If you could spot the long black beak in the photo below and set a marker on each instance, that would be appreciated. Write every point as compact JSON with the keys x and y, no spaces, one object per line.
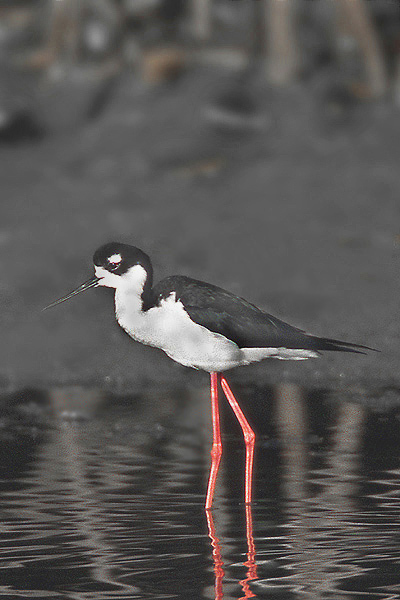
{"x":94,"y":282}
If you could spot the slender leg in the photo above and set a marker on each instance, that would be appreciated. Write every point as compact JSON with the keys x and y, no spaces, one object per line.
{"x":216,"y":449}
{"x":249,"y":439}
{"x":251,"y":553}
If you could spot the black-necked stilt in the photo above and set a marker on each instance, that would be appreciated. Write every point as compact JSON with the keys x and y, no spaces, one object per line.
{"x":201,"y":326}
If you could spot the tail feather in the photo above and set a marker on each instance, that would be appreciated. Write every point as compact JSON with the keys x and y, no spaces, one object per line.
{"x":332,"y":345}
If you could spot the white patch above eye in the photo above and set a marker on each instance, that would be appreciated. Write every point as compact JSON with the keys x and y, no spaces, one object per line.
{"x":114,"y":259}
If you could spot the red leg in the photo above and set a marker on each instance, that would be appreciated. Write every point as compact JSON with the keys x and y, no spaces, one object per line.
{"x":249,"y":439}
{"x":216,"y":449}
{"x":251,"y":550}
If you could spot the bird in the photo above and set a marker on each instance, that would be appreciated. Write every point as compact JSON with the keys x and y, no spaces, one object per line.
{"x":201,"y":326}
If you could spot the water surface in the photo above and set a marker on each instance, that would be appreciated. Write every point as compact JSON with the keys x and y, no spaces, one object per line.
{"x":103,"y":498}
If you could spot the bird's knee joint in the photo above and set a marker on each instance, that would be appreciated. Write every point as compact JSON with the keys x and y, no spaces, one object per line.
{"x":250,"y":437}
{"x":216,"y":450}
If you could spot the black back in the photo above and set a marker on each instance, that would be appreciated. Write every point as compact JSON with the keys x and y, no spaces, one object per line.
{"x":239,"y":320}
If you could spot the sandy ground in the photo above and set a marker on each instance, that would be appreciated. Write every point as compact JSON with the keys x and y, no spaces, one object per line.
{"x":300,"y":218}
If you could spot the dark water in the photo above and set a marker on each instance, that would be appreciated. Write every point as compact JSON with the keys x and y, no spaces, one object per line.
{"x":107,"y":502}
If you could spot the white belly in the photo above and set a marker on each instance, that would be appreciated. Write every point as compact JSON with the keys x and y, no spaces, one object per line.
{"x":170,"y":328}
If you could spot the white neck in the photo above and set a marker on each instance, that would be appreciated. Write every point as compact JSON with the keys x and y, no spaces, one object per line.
{"x":128,"y":292}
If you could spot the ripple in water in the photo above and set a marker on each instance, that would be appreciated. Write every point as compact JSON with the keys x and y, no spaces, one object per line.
{"x":108,"y":504}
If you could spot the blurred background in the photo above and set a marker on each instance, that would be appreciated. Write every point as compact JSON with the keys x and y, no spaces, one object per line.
{"x":250,"y":143}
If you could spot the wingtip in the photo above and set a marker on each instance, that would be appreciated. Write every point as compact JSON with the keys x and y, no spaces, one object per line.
{"x":341,"y":346}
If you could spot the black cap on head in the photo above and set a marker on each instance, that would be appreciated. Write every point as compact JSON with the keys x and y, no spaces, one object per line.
{"x":118,"y":258}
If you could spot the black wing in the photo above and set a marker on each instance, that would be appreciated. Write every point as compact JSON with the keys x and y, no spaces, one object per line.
{"x":238,"y":320}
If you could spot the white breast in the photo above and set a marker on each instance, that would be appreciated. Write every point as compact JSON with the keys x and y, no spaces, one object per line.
{"x":169,"y":327}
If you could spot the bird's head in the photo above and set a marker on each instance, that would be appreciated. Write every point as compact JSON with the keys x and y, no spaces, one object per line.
{"x":117,"y":266}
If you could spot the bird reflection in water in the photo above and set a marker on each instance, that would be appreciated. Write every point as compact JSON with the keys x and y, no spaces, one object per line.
{"x":250,"y":563}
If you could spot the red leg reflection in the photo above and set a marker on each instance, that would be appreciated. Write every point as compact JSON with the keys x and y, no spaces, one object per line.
{"x":218,"y":564}
{"x":216,"y":450}
{"x":249,"y":439}
{"x":217,"y":558}
{"x":251,"y":556}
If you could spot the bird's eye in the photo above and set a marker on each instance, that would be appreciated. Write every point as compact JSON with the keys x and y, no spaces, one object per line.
{"x":114,"y":261}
